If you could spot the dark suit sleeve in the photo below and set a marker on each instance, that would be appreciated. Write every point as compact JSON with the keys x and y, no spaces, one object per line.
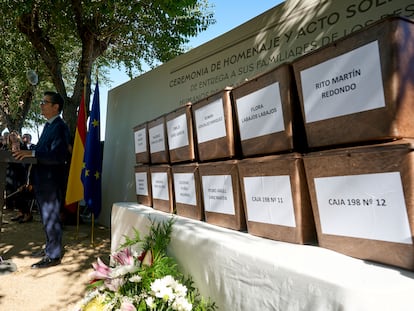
{"x":52,"y":149}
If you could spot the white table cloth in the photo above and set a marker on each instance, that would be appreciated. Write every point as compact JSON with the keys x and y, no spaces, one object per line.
{"x":243,"y":272}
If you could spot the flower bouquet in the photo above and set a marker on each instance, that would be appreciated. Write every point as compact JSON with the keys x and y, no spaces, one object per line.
{"x":149,"y":280}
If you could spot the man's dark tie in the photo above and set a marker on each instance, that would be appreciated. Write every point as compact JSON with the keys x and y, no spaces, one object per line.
{"x":45,"y":127}
{"x":44,"y":131}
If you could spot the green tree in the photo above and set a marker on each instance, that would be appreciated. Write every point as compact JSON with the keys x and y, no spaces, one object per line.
{"x":17,"y":91}
{"x":81,"y":35}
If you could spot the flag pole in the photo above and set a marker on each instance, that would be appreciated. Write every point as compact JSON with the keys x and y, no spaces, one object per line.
{"x":77,"y":221}
{"x":92,"y":230}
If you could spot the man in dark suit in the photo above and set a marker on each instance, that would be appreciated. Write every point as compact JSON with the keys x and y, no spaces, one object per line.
{"x":49,"y":176}
{"x":27,"y":140}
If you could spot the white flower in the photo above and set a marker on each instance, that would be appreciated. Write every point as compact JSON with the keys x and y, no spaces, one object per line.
{"x":122,"y":270}
{"x":161,"y":288}
{"x":121,"y":288}
{"x":169,"y":281}
{"x":181,"y":304}
{"x":135,"y":278}
{"x":168,"y":289}
{"x":150,"y":302}
{"x":180,"y":290}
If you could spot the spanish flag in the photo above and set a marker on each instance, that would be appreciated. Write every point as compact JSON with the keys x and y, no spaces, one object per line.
{"x":74,"y":190}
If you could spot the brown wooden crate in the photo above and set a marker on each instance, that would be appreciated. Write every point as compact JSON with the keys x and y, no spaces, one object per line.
{"x":234,"y":221}
{"x":165,"y":205}
{"x":282,"y":165}
{"x":395,"y":38}
{"x":293,"y":136}
{"x":188,"y":152}
{"x":158,"y":157}
{"x":225,"y":147}
{"x":141,"y":198}
{"x":397,"y":156}
{"x":144,"y":156}
{"x":188,"y":210}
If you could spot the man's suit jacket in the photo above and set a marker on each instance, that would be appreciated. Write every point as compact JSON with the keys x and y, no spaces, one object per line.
{"x":52,"y":155}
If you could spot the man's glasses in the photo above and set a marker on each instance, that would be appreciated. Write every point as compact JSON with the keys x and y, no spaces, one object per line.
{"x":42,"y":102}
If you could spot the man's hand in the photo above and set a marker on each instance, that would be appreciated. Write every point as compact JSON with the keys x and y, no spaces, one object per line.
{"x":21,"y":154}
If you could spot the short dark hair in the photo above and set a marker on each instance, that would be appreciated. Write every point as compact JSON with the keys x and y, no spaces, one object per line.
{"x":56,"y":98}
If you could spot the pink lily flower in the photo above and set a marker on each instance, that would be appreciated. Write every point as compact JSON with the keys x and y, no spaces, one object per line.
{"x":124,"y":257}
{"x":102,"y":271}
{"x":127,"y":306}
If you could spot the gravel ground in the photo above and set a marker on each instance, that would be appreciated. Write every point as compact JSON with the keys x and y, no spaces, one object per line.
{"x":55,"y":288}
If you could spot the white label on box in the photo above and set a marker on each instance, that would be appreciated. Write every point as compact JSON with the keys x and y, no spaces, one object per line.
{"x":156,"y":138}
{"x":141,"y":183}
{"x":218,"y":194}
{"x":159,"y":182}
{"x":177,"y":132}
{"x":269,"y":200}
{"x":140,"y":139}
{"x":184,"y":188}
{"x":210,"y":121}
{"x":260,"y":113}
{"x":368,"y":206}
{"x":343,"y":85}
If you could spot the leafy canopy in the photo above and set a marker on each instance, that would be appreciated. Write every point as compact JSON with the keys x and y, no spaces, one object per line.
{"x":72,"y":38}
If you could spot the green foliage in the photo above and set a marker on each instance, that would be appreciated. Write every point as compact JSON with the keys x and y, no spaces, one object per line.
{"x":72,"y":38}
{"x":159,"y":237}
{"x":17,"y":57}
{"x":156,"y":241}
{"x":158,"y":279}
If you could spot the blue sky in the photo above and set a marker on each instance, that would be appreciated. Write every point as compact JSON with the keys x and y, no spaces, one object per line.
{"x":228,"y":14}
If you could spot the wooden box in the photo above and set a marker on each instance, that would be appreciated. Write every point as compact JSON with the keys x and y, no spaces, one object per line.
{"x":158,"y":142}
{"x":162,"y":188}
{"x":215,"y":130}
{"x":181,"y":140}
{"x":363,"y":201}
{"x":361,"y":87}
{"x":268,"y":114}
{"x":223,"y":204}
{"x":187,"y":191}
{"x":276,"y":198}
{"x":143,"y":188}
{"x":142,"y":154}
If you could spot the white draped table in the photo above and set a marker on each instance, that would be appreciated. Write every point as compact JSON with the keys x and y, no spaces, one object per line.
{"x":243,"y":272}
